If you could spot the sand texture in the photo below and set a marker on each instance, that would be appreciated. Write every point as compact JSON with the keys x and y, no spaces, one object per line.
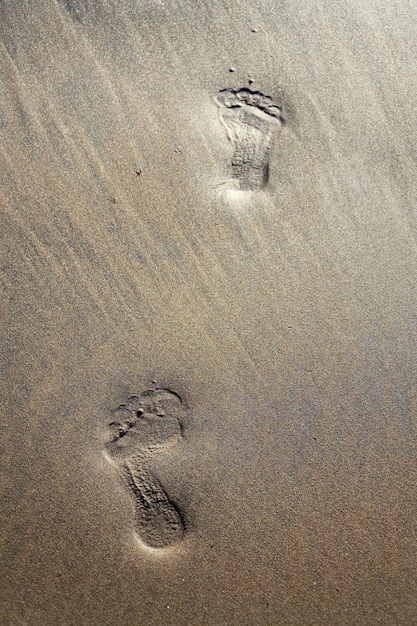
{"x":209,"y":312}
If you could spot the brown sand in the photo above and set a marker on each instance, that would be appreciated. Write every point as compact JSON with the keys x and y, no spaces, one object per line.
{"x":281,"y":311}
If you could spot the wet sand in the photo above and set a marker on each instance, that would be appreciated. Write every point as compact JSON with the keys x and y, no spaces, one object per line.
{"x":257,"y":263}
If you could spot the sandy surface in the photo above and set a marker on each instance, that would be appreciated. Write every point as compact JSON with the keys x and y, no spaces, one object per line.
{"x":278,"y":302}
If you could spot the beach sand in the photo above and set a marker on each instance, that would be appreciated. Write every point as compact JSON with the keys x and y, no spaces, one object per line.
{"x":161,"y":233}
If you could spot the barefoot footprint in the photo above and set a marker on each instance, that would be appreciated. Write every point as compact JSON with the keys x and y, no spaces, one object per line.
{"x":251,"y":119}
{"x":144,"y":426}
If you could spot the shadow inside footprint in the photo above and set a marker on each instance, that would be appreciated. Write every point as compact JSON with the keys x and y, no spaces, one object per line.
{"x":144,"y":426}
{"x":251,"y":119}
{"x":159,"y":522}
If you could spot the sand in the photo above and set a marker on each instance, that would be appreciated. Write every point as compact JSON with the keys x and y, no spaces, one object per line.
{"x":258,"y":263}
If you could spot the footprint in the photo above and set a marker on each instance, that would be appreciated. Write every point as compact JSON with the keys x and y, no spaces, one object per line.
{"x":251,"y":119}
{"x":144,"y":426}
